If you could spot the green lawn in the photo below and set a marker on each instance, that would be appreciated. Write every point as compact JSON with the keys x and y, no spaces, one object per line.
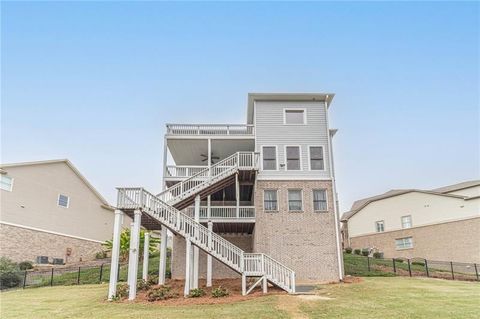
{"x":380,"y":297}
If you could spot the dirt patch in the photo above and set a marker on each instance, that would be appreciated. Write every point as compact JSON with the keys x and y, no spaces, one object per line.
{"x":313,"y":297}
{"x":291,"y":305}
{"x":352,"y":280}
{"x":234,"y":287}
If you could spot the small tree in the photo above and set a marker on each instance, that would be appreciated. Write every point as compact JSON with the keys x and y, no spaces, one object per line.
{"x":9,"y":276}
{"x":125,"y":244}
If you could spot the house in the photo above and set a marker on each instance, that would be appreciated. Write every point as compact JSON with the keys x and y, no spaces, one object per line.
{"x":248,"y":200}
{"x":49,"y":209}
{"x":440,"y":224}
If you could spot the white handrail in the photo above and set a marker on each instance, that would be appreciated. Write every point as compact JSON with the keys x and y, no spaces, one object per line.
{"x":222,"y":212}
{"x":210,"y":129}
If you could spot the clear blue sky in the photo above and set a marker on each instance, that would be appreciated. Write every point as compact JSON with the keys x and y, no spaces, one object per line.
{"x":96,"y":82}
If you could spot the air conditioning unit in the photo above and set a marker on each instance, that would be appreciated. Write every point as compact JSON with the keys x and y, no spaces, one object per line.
{"x":58,"y":261}
{"x":42,"y":259}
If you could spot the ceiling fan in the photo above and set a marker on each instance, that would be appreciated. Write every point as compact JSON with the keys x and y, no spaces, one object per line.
{"x":205,"y":158}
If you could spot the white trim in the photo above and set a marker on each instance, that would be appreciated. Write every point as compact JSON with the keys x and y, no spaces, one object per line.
{"x":310,"y":159}
{"x":263,"y":200}
{"x":11,"y":184}
{"x":291,"y":178}
{"x":299,"y":158}
{"x":401,"y":221}
{"x":276,"y":159}
{"x":383,"y":223}
{"x":68,"y":201}
{"x":50,"y":232}
{"x":288,"y":200}
{"x":285,"y":109}
{"x":313,"y":200}
{"x":402,"y":238}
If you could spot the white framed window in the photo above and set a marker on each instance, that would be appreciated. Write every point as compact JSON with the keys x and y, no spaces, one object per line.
{"x":320,"y":200}
{"x":295,"y":202}
{"x":270,"y":200}
{"x":6,"y":182}
{"x":269,"y":158}
{"x":379,"y":226}
{"x":316,"y":158}
{"x":404,"y":243}
{"x":63,"y":200}
{"x":407,"y":221}
{"x":294,"y":116}
{"x":292,"y":158}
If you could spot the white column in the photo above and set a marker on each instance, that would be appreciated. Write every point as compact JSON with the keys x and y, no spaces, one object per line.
{"x":244,"y":284}
{"x":264,"y":284}
{"x":196,"y":252}
{"x":146,"y":245}
{"x":209,"y":152}
{"x":133,"y":255}
{"x":209,"y":257}
{"x":117,"y":229}
{"x":188,"y":248}
{"x":162,"y":269}
{"x":237,"y":194}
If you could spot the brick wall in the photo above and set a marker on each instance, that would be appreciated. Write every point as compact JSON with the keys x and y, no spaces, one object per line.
{"x":21,"y":244}
{"x":304,"y":241}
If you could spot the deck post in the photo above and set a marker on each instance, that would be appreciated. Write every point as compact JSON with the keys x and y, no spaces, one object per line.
{"x":264,"y":284}
{"x":117,"y":229}
{"x":237,"y":195}
{"x":146,"y":245}
{"x":133,"y":255}
{"x":188,"y":248}
{"x":209,"y":257}
{"x":196,"y":252}
{"x":162,"y":269}
{"x":244,"y":284}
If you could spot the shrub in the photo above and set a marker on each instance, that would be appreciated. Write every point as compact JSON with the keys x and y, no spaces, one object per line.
{"x":365,"y":252}
{"x":25,"y":265}
{"x":197,"y":292}
{"x":9,"y":276}
{"x":101,"y":255}
{"x":143,"y":285}
{"x":122,"y":291}
{"x":357,"y":251}
{"x":161,"y":293}
{"x":398,"y":260}
{"x":220,"y":292}
{"x":377,"y":255}
{"x":348,"y":250}
{"x":418,"y":263}
{"x":152,"y":280}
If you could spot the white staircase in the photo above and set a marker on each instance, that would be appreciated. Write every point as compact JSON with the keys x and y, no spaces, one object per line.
{"x":160,"y":208}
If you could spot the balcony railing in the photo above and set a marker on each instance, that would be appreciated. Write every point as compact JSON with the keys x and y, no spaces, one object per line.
{"x":183,"y":171}
{"x":222,"y":212}
{"x":210,"y":129}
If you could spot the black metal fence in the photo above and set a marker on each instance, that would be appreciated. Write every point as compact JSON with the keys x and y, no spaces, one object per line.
{"x":356,"y":265}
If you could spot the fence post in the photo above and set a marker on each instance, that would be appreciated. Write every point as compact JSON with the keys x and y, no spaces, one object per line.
{"x":451,"y":267}
{"x":426,"y":268}
{"x":101,"y":273}
{"x":25,"y":278}
{"x":78,"y":276}
{"x":409,"y":268}
{"x":476,"y":270}
{"x":118,"y":273}
{"x":368,"y":263}
{"x":394,"y":267}
{"x":51,"y":278}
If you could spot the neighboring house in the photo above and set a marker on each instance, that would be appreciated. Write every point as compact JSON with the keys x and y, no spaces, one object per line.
{"x":440,"y":224}
{"x":49,"y":209}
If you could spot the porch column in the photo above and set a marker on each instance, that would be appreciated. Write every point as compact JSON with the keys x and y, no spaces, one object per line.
{"x":133,"y":255}
{"x":244,"y":284}
{"x":117,"y":229}
{"x":162,"y":269}
{"x":237,"y":195}
{"x":188,"y":248}
{"x":209,"y":257}
{"x":195,"y":248}
{"x":146,"y":245}
{"x":209,"y":152}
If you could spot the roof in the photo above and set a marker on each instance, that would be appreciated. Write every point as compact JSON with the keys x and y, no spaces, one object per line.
{"x":303,"y":97}
{"x":456,"y":187}
{"x":69,"y":164}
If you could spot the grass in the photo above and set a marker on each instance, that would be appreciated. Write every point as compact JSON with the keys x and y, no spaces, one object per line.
{"x":380,"y":297}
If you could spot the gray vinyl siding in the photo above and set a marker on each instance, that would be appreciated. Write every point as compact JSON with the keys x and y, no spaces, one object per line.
{"x":270,"y":131}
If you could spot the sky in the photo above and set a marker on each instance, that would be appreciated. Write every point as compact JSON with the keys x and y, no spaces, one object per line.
{"x":95,"y":82}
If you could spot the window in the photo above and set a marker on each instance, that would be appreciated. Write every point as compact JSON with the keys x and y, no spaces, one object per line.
{"x":293,"y":158}
{"x":295,"y":200}
{"x":320,"y":200}
{"x":407,"y":221}
{"x":404,"y":243}
{"x":294,"y":116}
{"x":269,"y":158}
{"x":270,"y":199}
{"x":380,"y":226}
{"x":6,"y":183}
{"x":316,"y":158}
{"x":63,"y":201}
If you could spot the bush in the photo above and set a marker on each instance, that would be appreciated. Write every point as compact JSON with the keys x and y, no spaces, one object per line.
{"x":220,"y":292}
{"x":365,"y":252}
{"x":9,"y":276}
{"x":377,"y":255}
{"x":153,"y":280}
{"x":161,"y":293}
{"x":348,"y":250}
{"x":122,"y":291}
{"x":25,"y":265}
{"x":197,"y":292}
{"x":418,"y":263}
{"x":101,"y":255}
{"x":143,"y":285}
{"x":357,"y":251}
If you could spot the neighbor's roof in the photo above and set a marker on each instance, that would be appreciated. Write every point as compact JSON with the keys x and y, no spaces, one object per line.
{"x":303,"y":97}
{"x":456,"y":187}
{"x":69,"y":164}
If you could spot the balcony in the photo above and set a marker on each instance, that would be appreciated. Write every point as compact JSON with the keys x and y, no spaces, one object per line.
{"x":182,"y":171}
{"x":232,"y":130}
{"x":224,"y":214}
